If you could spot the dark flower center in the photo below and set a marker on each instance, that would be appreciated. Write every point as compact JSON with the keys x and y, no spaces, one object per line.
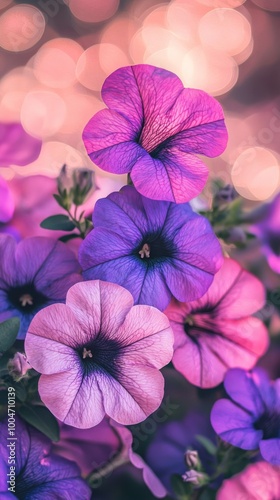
{"x":269,"y":423}
{"x":274,"y":243}
{"x":26,"y":298}
{"x":154,"y":247}
{"x":102,"y":354}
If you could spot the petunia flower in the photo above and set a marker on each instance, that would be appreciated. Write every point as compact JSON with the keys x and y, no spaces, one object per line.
{"x":259,"y":481}
{"x":7,"y":205}
{"x":268,"y":232}
{"x":154,"y":249}
{"x":17,"y":147}
{"x":153,"y":129}
{"x":33,"y":274}
{"x":99,"y":354}
{"x":251,"y":418}
{"x":30,"y":470}
{"x":218,"y":331}
{"x":102,"y":449}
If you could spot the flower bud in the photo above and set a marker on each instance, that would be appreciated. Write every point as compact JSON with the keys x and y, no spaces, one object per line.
{"x":194,"y":477}
{"x":18,"y":366}
{"x":191,"y":457}
{"x":82,"y":185}
{"x":225,"y":194}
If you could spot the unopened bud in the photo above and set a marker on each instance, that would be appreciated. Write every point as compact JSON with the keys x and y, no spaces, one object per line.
{"x":225,"y":194}
{"x":82,"y":185}
{"x":191,"y":457}
{"x":194,"y":477}
{"x":18,"y":366}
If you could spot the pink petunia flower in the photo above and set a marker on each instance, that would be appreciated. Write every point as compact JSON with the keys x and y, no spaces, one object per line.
{"x":17,"y":147}
{"x":259,"y":481}
{"x":153,"y":129}
{"x":218,"y":331}
{"x":99,"y":354}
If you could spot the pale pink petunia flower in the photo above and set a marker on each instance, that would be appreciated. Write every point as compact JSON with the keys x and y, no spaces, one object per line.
{"x":218,"y":331}
{"x":99,"y":354}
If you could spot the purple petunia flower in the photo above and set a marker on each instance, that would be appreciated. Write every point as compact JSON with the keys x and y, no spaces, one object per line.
{"x":153,"y":129}
{"x":33,"y":274}
{"x":99,"y":355}
{"x":29,"y":470}
{"x":251,"y":419}
{"x":154,"y":249}
{"x":17,"y":147}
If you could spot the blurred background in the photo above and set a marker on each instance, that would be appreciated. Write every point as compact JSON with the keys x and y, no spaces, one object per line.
{"x":55,"y":55}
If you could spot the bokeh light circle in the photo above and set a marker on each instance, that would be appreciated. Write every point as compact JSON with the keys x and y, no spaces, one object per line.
{"x":42,"y":113}
{"x":225,"y":30}
{"x":270,"y":5}
{"x":93,"y":11}
{"x":21,"y":27}
{"x":97,"y":62}
{"x":55,"y":63}
{"x":256,"y":174}
{"x":212,"y":71}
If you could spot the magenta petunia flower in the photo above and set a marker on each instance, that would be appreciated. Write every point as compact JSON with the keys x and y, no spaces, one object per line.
{"x":7,"y":205}
{"x":97,"y":449}
{"x":218,"y":331}
{"x":33,"y":274}
{"x":251,"y":418}
{"x":153,"y":129}
{"x":268,"y":232}
{"x":99,"y":354}
{"x":259,"y":481}
{"x":17,"y":147}
{"x":155,"y":249}
{"x":30,"y":469}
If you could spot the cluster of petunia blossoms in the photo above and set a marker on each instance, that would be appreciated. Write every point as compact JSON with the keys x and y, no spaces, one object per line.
{"x":129,"y":333}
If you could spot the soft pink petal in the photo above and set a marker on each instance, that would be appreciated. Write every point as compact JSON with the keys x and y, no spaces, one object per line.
{"x":147,"y":335}
{"x":58,"y":323}
{"x":49,"y":356}
{"x":135,"y":395}
{"x":259,"y":481}
{"x":100,"y":306}
{"x":235,"y":293}
{"x":72,"y":398}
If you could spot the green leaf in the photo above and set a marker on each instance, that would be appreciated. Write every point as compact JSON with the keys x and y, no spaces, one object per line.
{"x":8,"y":333}
{"x":59,"y":200}
{"x":58,"y":223}
{"x":183,"y":490}
{"x":68,"y":237}
{"x":42,"y":419}
{"x":208,"y":445}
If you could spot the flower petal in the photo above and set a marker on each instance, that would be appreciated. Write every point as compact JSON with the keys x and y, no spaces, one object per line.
{"x":16,"y":146}
{"x":173,"y":176}
{"x":252,"y":391}
{"x":270,"y":451}
{"x":7,"y":206}
{"x":100,"y":305}
{"x":74,"y":399}
{"x":234,"y":425}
